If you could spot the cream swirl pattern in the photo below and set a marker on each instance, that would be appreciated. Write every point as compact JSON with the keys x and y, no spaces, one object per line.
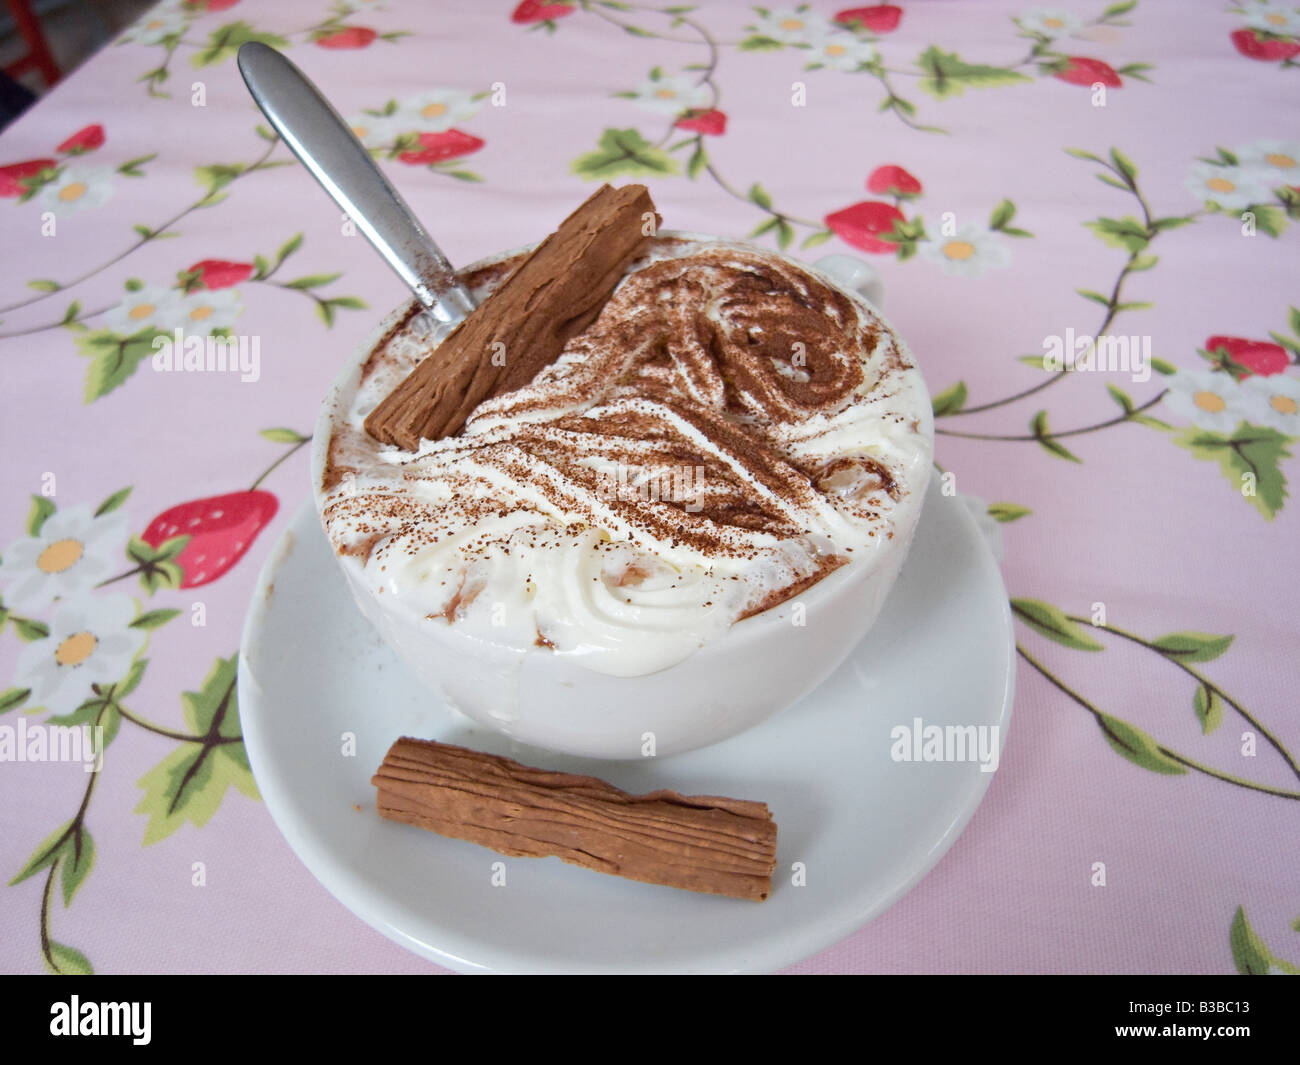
{"x":729,"y":430}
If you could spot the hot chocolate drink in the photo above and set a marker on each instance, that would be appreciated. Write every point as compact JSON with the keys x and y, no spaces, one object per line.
{"x":729,"y":429}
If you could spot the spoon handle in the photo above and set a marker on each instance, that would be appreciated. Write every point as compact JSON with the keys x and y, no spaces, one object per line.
{"x":327,"y":147}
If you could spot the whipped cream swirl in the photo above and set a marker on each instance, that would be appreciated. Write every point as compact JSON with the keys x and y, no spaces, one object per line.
{"x":728,"y":431}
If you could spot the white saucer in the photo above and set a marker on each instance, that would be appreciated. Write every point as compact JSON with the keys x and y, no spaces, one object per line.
{"x":866,"y":828}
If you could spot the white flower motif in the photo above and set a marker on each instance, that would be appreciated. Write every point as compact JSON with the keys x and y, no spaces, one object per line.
{"x":91,"y":641}
{"x":793,"y":26}
{"x":1272,"y":18}
{"x":377,"y":131}
{"x":1231,"y":187}
{"x":841,"y":51}
{"x":989,"y":526}
{"x":1050,"y":21}
{"x":72,"y":552}
{"x":969,"y":252}
{"x":77,"y":188}
{"x":159,"y":22}
{"x":207,"y":309}
{"x":1275,"y":162}
{"x":1210,"y":399}
{"x":152,"y":307}
{"x":672,"y":94}
{"x":437,"y":110}
{"x":1273,"y":400}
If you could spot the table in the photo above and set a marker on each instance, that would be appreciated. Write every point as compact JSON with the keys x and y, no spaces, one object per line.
{"x":1022,"y":177}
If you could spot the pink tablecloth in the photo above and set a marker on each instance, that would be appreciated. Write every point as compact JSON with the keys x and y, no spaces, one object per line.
{"x":1017,"y":174}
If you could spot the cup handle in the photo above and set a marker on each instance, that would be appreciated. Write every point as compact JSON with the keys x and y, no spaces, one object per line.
{"x":855,"y":274}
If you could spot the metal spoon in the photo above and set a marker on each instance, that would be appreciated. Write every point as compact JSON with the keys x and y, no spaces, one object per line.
{"x":328,"y":148}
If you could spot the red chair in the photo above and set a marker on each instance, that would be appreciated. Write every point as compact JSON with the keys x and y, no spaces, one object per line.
{"x":38,"y":55}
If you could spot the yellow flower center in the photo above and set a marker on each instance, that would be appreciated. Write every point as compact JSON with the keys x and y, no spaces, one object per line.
{"x":200,"y":313}
{"x":1053,"y":23}
{"x":74,"y":190}
{"x":792,"y":24}
{"x":1218,"y":184}
{"x":960,"y":250}
{"x":1209,"y":401}
{"x":75,"y":649}
{"x":1279,"y":160}
{"x":1283,"y":404}
{"x":154,"y":24}
{"x":433,"y":110}
{"x":60,"y":555}
{"x":360,"y":132}
{"x":141,"y":311}
{"x":1276,"y":18}
{"x":835,"y":49}
{"x":666,"y":94}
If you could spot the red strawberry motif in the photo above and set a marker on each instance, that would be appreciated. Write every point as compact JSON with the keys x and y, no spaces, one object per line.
{"x":217,"y":273}
{"x":435,"y":147}
{"x":1083,"y":71}
{"x":1259,"y":356}
{"x":533,"y":11}
{"x":861,"y":224}
{"x":1250,"y":44}
{"x":84,"y":140}
{"x":12,"y":176}
{"x":711,"y":123}
{"x":878,"y":18}
{"x":348,"y":37}
{"x":893,"y":181}
{"x":220,"y":528}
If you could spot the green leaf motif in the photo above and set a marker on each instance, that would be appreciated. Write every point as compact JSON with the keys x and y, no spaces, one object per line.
{"x":1043,"y":434}
{"x":113,"y":502}
{"x":1123,"y":164}
{"x":623,"y":152}
{"x":1002,"y":214}
{"x":67,"y":962}
{"x":950,"y":400}
{"x":1121,"y":397}
{"x":1209,"y":708}
{"x":78,"y":859}
{"x":152,"y":619}
{"x":1252,"y":449}
{"x":113,"y":359}
{"x":13,"y":698}
{"x":1051,"y":622}
{"x":948,"y":75}
{"x":1137,"y":746}
{"x":1007,"y":512}
{"x":225,"y":42}
{"x":189,"y":785}
{"x":41,"y":509}
{"x":1193,"y":646}
{"x":45,"y":854}
{"x":821,"y":236}
{"x":759,"y":43}
{"x":1249,"y":954}
{"x":284,"y":436}
{"x":1127,"y":232}
{"x":215,"y":701}
{"x":1269,"y":219}
{"x":30,"y":629}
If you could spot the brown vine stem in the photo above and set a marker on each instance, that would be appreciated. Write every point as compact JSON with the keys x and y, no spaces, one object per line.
{"x":1182,"y":760}
{"x":1205,"y":682}
{"x":1125,"y":417}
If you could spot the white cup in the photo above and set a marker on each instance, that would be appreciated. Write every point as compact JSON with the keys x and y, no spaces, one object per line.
{"x":762,"y":665}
